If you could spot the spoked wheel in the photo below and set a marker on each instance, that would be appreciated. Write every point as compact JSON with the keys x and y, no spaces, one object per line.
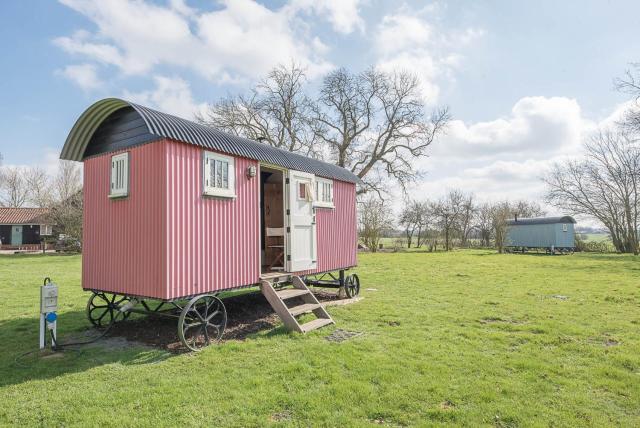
{"x":103,"y":308}
{"x":202,"y":321}
{"x":352,"y":285}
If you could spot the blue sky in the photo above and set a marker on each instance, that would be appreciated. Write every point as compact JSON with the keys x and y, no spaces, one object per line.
{"x":526,"y":82}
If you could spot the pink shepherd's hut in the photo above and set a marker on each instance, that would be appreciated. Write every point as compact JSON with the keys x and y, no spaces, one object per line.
{"x":176,"y":212}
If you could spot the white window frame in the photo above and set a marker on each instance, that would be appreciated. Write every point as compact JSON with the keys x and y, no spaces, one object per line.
{"x":212,"y":190}
{"x":319,"y":191}
{"x":565,"y":228}
{"x":119,"y":176}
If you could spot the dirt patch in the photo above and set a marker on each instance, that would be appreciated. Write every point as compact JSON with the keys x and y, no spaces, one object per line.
{"x":281,"y":416}
{"x":247,"y":314}
{"x":490,"y":320}
{"x":447,"y":405}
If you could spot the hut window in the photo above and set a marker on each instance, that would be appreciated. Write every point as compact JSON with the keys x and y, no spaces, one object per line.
{"x":564,"y":228}
{"x":304,"y":191}
{"x":324,"y":193}
{"x":219,"y":175}
{"x":119,"y":176}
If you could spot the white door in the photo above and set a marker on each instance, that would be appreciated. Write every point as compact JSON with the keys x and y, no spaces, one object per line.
{"x":301,"y":248}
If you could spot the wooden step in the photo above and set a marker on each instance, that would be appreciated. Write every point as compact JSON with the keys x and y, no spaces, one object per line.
{"x":315,"y":324}
{"x":303,"y":309}
{"x":290,"y":293}
{"x":276,"y":299}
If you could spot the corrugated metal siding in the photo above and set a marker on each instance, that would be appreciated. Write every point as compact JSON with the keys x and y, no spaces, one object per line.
{"x":337,"y":231}
{"x":166,"y":241}
{"x":123,"y":242}
{"x":540,"y":235}
{"x":565,"y":239}
{"x":212,"y":243}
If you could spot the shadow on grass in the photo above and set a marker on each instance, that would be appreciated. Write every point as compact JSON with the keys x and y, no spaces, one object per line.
{"x":21,"y":361}
{"x":140,"y":339}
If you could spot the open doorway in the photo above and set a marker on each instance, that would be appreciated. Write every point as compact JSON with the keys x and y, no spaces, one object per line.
{"x":272,"y":230}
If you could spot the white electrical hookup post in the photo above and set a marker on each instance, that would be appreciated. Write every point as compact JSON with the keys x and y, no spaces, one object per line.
{"x":48,"y":308}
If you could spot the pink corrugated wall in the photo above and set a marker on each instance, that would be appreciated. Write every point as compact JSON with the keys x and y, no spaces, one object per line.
{"x":166,"y":241}
{"x":213,"y":243}
{"x":123,"y":239}
{"x":337,"y":230}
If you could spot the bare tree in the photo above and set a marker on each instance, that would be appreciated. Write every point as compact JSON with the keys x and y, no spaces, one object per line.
{"x":374,"y":217}
{"x":447,"y":212}
{"x":66,"y":216}
{"x":484,"y":223}
{"x":14,"y":192}
{"x":411,"y":220}
{"x":630,"y":84}
{"x":501,"y":213}
{"x":468,"y":211}
{"x":276,"y":112}
{"x":604,"y":185}
{"x":39,"y":187}
{"x":68,"y":180}
{"x":375,"y":125}
{"x":526,"y":209}
{"x":372,"y":123}
{"x":425,"y":220}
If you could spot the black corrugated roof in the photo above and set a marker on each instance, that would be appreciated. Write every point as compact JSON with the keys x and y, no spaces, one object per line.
{"x":541,"y":220}
{"x":169,"y":126}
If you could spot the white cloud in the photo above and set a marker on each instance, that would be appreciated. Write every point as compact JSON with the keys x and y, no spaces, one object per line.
{"x":411,"y":41}
{"x":241,"y":38}
{"x":83,"y":75}
{"x":400,"y":32}
{"x":344,"y":15}
{"x":537,"y":126}
{"x":505,"y":158}
{"x":171,"y":95}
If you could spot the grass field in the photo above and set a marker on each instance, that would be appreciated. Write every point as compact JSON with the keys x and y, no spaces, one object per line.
{"x":597,"y":237}
{"x":469,"y":338}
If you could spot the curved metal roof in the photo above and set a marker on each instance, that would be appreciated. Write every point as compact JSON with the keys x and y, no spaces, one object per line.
{"x":541,"y":220}
{"x":168,"y":126}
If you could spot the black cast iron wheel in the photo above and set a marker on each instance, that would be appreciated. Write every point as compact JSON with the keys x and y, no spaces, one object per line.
{"x":102,"y":308}
{"x":202,"y":321}
{"x":352,"y":285}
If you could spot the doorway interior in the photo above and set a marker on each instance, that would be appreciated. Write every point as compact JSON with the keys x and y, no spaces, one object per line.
{"x":272,"y":229}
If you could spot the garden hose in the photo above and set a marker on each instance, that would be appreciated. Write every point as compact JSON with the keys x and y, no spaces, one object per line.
{"x":61,"y":346}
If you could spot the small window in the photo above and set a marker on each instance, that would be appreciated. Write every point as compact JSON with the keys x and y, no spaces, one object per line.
{"x":565,"y":228}
{"x":219,"y":175}
{"x":304,"y":191}
{"x":119,"y":176}
{"x":45,"y":229}
{"x":324,"y":193}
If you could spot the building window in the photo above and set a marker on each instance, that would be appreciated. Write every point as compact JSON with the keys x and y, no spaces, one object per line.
{"x":119,"y":176}
{"x":219,"y":175}
{"x":324,"y":193}
{"x":304,"y":191}
{"x":565,"y":228}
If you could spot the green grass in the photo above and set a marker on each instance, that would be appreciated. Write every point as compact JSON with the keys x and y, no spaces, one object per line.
{"x":597,"y":237}
{"x":469,"y":338}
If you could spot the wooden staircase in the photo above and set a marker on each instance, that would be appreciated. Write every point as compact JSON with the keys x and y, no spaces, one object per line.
{"x":281,"y":298}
